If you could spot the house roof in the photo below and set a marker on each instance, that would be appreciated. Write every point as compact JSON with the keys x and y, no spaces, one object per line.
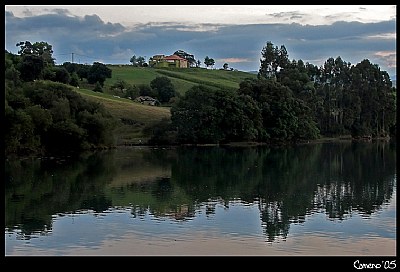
{"x":174,"y":57}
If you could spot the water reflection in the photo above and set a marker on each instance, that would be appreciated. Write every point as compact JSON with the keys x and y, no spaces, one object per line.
{"x":284,"y":186}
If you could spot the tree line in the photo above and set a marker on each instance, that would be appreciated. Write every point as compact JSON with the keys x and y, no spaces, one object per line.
{"x":344,"y":99}
{"x":289,"y":102}
{"x":43,"y":115}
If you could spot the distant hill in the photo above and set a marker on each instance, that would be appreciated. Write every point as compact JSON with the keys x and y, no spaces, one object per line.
{"x":134,"y":118}
{"x":183,"y":79}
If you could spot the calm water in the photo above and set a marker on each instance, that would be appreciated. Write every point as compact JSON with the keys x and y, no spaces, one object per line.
{"x":321,"y":199}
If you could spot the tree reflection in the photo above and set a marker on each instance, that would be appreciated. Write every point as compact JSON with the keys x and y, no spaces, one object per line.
{"x":289,"y":183}
{"x":286,"y":183}
{"x":37,"y":189}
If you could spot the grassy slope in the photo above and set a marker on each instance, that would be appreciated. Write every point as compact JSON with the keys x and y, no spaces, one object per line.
{"x":134,"y":117}
{"x":182,"y":79}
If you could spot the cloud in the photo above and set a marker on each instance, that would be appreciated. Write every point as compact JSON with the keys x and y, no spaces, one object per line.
{"x":287,"y":15}
{"x":61,"y":25}
{"x":234,"y":60}
{"x":174,"y":26}
{"x":389,"y":36}
{"x":387,"y":57}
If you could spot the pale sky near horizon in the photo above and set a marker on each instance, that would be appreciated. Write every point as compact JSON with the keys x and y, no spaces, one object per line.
{"x":227,"y":33}
{"x":129,"y":15}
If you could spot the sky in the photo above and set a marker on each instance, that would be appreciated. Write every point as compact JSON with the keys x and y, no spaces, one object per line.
{"x":232,"y":34}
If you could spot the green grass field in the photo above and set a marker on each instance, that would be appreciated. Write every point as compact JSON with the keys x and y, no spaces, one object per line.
{"x":182,"y":79}
{"x":133,"y":118}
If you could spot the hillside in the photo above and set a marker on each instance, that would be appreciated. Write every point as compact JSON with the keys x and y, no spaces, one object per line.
{"x":182,"y":79}
{"x":133,"y":118}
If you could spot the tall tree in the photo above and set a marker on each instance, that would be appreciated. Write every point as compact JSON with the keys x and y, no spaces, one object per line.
{"x":39,"y":49}
{"x":189,"y":57}
{"x":209,"y":61}
{"x":98,"y":72}
{"x":34,"y":59}
{"x":377,"y":97}
{"x":137,"y":61}
{"x":272,"y":60}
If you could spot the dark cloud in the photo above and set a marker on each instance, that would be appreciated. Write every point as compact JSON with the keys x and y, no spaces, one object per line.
{"x":60,"y":25}
{"x":59,"y":11}
{"x":94,"y":39}
{"x":288,"y":15}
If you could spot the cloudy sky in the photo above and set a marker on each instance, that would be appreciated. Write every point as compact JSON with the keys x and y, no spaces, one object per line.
{"x":233,"y":34}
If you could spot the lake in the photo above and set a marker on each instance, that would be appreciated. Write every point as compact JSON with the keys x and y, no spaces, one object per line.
{"x":325,"y":199}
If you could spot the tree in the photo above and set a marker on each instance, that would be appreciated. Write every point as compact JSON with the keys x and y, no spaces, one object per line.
{"x":74,"y":80}
{"x":333,"y":88}
{"x":71,"y":67}
{"x":209,"y":61}
{"x":164,"y":88}
{"x":34,"y":59}
{"x":98,"y":87}
{"x":11,"y":73}
{"x":19,"y":132}
{"x":138,"y":61}
{"x":225,"y":66}
{"x":377,"y":100}
{"x":50,"y":117}
{"x":132,"y":92}
{"x":141,"y":61}
{"x":31,"y":67}
{"x":62,"y":75}
{"x":204,"y":115}
{"x":39,"y":49}
{"x":133,"y":60}
{"x":98,"y":72}
{"x":120,"y":84}
{"x":285,"y":118}
{"x":146,"y":90}
{"x":272,"y":60}
{"x":189,"y":57}
{"x":83,"y":71}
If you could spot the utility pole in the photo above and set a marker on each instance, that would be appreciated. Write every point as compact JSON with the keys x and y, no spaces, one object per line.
{"x":72,"y":55}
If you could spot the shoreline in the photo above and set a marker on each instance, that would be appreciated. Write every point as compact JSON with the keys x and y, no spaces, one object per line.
{"x":345,"y":138}
{"x":231,"y":144}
